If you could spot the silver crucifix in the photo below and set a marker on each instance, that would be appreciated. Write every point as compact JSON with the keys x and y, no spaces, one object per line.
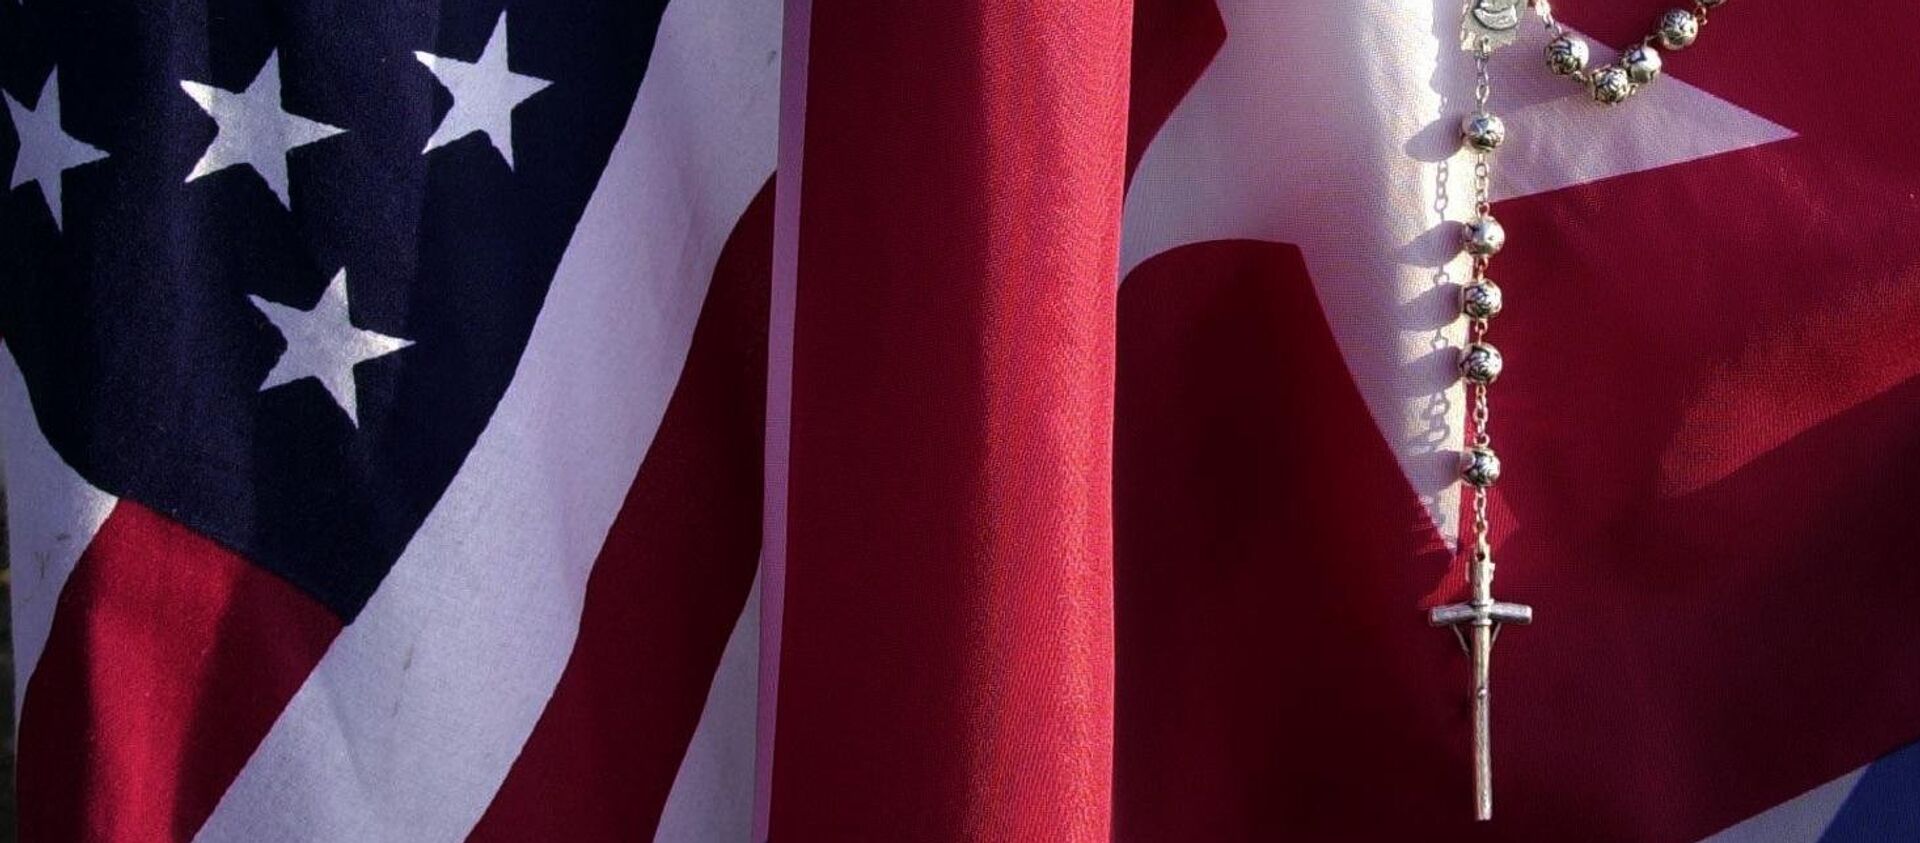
{"x":1483,"y":616}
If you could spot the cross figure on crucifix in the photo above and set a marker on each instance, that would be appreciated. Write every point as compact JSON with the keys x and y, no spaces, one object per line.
{"x":1483,"y":616}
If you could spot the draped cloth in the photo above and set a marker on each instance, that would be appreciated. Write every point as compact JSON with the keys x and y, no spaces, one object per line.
{"x":998,"y":420}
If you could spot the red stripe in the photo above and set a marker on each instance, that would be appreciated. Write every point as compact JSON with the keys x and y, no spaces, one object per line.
{"x":946,"y":670}
{"x":666,"y":589}
{"x":169,"y":659}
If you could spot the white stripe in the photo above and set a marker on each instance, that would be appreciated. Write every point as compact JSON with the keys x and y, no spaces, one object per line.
{"x":712,"y":796}
{"x":410,"y":722}
{"x":52,"y":515}
{"x":786,"y":262}
{"x":1801,"y":819}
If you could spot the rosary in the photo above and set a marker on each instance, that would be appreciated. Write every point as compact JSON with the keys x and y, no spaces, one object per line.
{"x":1487,"y":26}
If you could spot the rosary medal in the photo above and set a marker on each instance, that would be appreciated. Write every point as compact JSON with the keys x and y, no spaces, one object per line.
{"x":1490,"y":24}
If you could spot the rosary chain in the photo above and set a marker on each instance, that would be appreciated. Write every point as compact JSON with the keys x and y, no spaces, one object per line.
{"x":1482,"y":167}
{"x":1478,"y":619}
{"x":1544,"y":9}
{"x":1477,"y":393}
{"x":1700,"y":8}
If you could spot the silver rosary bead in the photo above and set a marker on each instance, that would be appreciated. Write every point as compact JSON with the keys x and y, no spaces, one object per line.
{"x":1610,"y":85}
{"x":1480,"y":300}
{"x":1677,"y":29}
{"x":1642,"y":63}
{"x":1566,"y":55}
{"x":1485,"y":236}
{"x":1483,"y":132}
{"x":1481,"y":363}
{"x":1479,"y":466}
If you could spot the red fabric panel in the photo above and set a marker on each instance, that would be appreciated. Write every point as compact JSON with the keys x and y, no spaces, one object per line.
{"x":946,"y":671}
{"x":1711,"y":431}
{"x":1277,"y":680}
{"x":667,"y":588}
{"x":169,"y":659}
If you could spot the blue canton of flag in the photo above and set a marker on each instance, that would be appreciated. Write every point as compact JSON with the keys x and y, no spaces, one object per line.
{"x":272,"y":266}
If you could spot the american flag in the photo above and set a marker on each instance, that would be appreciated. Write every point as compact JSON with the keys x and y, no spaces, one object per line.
{"x":434,"y":421}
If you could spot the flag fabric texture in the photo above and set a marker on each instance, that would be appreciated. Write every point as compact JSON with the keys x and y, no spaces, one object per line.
{"x":736,"y":420}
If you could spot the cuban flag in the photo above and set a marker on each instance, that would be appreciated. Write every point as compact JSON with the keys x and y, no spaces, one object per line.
{"x":436,"y":421}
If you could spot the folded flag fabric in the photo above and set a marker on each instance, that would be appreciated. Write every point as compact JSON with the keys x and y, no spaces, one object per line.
{"x":737,"y":420}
